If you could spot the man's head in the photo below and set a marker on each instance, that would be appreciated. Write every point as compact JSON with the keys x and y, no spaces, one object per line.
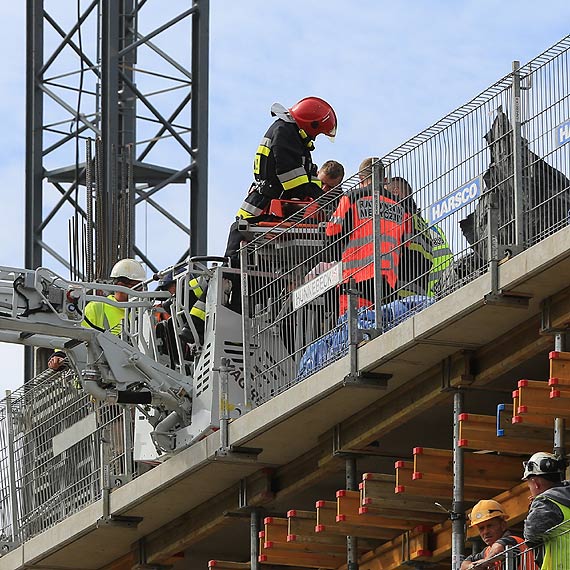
{"x":365,"y":170}
{"x":490,"y":519}
{"x":399,"y":187}
{"x":543,"y":471}
{"x":127,"y":273}
{"x":330,"y":174}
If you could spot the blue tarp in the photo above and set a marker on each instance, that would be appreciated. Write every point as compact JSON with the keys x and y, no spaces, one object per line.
{"x":335,"y":343}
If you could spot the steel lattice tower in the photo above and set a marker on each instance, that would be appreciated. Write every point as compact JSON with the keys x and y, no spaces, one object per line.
{"x":132,"y":76}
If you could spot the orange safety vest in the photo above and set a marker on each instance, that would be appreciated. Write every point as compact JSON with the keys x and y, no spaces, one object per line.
{"x":358,"y":256}
{"x":526,"y":561}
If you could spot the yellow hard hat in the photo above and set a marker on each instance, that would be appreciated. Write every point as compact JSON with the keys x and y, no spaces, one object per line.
{"x":485,"y":510}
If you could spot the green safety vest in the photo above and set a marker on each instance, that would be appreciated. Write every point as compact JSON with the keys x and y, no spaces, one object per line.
{"x":557,"y":543}
{"x":442,"y":258}
{"x":103,"y":316}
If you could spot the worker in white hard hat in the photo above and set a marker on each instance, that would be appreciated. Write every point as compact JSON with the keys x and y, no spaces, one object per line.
{"x":102,"y":316}
{"x":491,"y":521}
{"x":549,"y":509}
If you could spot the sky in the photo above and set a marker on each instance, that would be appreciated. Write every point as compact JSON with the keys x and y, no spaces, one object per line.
{"x":389,"y":69}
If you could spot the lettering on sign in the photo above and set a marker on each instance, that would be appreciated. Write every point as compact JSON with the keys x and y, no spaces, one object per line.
{"x":563,"y":133}
{"x":317,"y":286}
{"x":455,"y":201}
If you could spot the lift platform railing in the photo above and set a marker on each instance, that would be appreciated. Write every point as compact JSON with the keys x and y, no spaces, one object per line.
{"x":481,"y":185}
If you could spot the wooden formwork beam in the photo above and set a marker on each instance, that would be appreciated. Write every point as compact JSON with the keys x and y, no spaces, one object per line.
{"x":560,"y":366}
{"x":480,"y":470}
{"x":301,"y":559}
{"x":534,"y":398}
{"x":479,"y":432}
{"x":327,"y":522}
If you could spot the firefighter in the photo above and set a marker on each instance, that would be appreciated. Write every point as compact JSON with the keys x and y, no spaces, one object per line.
{"x":351,"y":226}
{"x":491,"y":521}
{"x":102,"y":316}
{"x":282,"y":166}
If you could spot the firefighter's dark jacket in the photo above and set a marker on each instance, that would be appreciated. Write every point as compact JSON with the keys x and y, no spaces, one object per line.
{"x":282,"y":168}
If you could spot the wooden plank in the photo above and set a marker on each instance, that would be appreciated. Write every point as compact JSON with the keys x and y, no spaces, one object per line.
{"x":479,"y":432}
{"x":301,"y":529}
{"x":534,"y":398}
{"x":490,"y":471}
{"x":326,"y":522}
{"x":560,"y":366}
{"x":289,"y":557}
{"x":374,"y":499}
{"x":349,"y":511}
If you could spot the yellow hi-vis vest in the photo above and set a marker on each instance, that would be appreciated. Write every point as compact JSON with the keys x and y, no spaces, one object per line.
{"x":557,"y":543}
{"x":103,"y":316}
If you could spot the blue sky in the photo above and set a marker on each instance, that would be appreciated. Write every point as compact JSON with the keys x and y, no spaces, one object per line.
{"x":390,"y":69}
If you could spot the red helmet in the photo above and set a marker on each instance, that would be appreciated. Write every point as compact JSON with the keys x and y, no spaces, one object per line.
{"x":315,"y":116}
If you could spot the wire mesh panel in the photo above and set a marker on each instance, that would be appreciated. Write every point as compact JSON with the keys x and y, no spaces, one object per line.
{"x":56,"y":453}
{"x":411,"y":227}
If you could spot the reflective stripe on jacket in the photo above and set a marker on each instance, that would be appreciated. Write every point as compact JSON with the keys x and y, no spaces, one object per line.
{"x":442,"y":258}
{"x":358,"y":257}
{"x":282,"y":168}
{"x":103,"y":316}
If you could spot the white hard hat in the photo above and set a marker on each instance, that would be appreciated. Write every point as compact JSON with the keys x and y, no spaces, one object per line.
{"x":542,"y":463}
{"x":129,"y":268}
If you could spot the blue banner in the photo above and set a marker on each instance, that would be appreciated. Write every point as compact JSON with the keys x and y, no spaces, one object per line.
{"x":455,"y":201}
{"x":563,"y":133}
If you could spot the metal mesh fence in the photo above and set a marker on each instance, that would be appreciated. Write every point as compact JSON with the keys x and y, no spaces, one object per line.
{"x":482,"y":184}
{"x":50,"y":453}
{"x":553,"y":553}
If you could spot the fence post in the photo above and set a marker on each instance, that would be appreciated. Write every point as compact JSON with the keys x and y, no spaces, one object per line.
{"x":517,"y":157}
{"x":12,"y":471}
{"x":377,"y":184}
{"x":493,"y":241}
{"x":352,"y":324}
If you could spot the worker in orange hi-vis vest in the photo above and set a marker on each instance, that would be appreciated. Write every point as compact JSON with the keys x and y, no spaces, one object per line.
{"x":352,"y":221}
{"x":491,"y":521}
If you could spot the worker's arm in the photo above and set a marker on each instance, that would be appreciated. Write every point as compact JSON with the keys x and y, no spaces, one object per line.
{"x":289,"y":167}
{"x":542,"y":516}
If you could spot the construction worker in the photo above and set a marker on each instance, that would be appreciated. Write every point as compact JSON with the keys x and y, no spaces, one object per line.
{"x":283,"y":167}
{"x":425,"y":254}
{"x":102,"y":316}
{"x":352,"y":222}
{"x":491,"y":521}
{"x":197,"y":301}
{"x":550,"y":509}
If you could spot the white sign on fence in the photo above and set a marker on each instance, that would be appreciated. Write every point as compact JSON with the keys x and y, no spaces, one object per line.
{"x":323,"y":280}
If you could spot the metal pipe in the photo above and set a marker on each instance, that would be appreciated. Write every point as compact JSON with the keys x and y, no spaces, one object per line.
{"x":351,"y":541}
{"x":559,"y":423}
{"x":458,"y":509}
{"x":254,"y":539}
{"x":352,"y":318}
